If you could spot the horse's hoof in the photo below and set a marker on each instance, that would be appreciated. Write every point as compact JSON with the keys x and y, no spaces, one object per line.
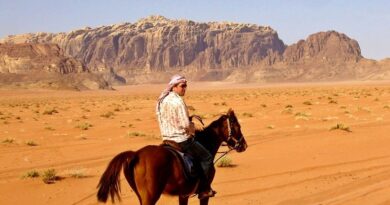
{"x":207,"y":194}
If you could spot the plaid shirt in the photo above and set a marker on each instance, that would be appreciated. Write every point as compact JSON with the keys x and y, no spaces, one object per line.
{"x":173,"y":118}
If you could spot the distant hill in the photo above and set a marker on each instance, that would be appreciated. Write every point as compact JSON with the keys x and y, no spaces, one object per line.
{"x":155,"y":47}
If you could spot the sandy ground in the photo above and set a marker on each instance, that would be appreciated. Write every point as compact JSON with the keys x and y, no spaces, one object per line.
{"x":293,"y":157}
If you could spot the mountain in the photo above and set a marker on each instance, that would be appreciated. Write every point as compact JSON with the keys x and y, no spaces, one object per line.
{"x":152,"y":49}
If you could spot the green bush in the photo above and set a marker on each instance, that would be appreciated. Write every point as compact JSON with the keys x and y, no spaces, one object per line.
{"x":224,"y":162}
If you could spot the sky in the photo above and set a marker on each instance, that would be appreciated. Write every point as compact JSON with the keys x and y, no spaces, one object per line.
{"x":367,"y":21}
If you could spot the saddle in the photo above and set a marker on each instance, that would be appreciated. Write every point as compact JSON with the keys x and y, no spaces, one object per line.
{"x":189,"y":164}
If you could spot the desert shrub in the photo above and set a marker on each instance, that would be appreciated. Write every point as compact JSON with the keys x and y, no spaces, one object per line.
{"x":49,"y":128}
{"x":224,"y":162}
{"x":49,"y":176}
{"x":307,"y":103}
{"x":271,"y":127}
{"x":77,"y":173}
{"x":31,"y":174}
{"x":287,"y":111}
{"x":332,"y":102}
{"x":107,"y":114}
{"x":86,"y":109}
{"x":301,"y":116}
{"x":31,"y":143}
{"x":263,"y":105}
{"x":84,"y":126}
{"x":365,"y":109}
{"x":135,"y":134}
{"x":8,"y":140}
{"x":386,"y":106}
{"x":288,"y":106}
{"x":340,"y":126}
{"x":246,"y":114}
{"x":50,"y":111}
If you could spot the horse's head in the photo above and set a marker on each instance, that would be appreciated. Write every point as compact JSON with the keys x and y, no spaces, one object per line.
{"x":233,"y":137}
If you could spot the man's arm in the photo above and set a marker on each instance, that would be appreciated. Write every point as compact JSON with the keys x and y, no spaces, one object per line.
{"x":184,"y":120}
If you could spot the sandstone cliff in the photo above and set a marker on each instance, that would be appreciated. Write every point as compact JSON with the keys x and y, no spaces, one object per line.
{"x":45,"y":66}
{"x":24,"y":58}
{"x":159,"y":45}
{"x":152,"y":49}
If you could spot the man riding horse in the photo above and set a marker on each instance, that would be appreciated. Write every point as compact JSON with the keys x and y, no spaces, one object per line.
{"x":176,"y":127}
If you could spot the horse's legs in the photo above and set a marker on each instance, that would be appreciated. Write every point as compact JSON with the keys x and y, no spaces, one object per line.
{"x":150,"y":192}
{"x":204,"y":201}
{"x":183,"y":200}
{"x":150,"y":183}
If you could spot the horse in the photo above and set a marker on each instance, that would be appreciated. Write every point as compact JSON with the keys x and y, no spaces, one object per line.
{"x":154,"y":170}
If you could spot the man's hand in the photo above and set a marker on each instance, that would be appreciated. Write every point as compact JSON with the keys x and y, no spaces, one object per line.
{"x":191,"y":129}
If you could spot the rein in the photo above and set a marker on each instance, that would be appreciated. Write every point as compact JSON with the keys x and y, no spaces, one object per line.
{"x":224,"y":154}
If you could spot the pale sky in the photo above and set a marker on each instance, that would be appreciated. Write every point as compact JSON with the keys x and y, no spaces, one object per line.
{"x":367,"y":21}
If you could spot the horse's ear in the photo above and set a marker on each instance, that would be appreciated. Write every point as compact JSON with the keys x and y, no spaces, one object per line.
{"x":230,"y":111}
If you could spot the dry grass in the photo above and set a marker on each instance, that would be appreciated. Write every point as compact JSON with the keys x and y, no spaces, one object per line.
{"x":31,"y":143}
{"x":31,"y":174}
{"x":49,"y":176}
{"x":340,"y":126}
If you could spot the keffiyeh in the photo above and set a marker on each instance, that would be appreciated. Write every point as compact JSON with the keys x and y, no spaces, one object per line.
{"x":175,"y":80}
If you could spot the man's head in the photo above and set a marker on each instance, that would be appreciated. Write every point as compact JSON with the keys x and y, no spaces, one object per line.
{"x":179,"y":84}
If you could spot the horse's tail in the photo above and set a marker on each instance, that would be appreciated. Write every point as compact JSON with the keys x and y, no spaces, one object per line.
{"x":109,"y":182}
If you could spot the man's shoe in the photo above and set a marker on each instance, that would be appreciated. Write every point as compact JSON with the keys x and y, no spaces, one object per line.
{"x":206,"y":194}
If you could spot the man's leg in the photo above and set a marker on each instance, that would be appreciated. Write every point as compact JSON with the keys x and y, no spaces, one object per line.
{"x":202,"y":155}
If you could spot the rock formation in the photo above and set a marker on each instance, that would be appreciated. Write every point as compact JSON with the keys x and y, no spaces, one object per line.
{"x":25,"y":64}
{"x":153,"y":48}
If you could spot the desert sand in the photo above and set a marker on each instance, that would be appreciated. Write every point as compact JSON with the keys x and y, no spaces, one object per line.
{"x":297,"y":154}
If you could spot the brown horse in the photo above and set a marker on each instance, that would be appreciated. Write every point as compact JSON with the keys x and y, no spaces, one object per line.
{"x":154,"y":170}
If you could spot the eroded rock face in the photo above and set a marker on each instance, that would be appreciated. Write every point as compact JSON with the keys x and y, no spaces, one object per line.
{"x":328,"y":46}
{"x":159,"y":44}
{"x":27,"y":57}
{"x":154,"y":48}
{"x":44,"y":65}
{"x":323,"y":56}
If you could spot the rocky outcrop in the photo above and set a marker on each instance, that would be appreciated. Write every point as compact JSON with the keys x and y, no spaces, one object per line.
{"x":30,"y":63}
{"x":154,"y":48}
{"x":25,"y":57}
{"x":323,"y":47}
{"x":323,"y":56}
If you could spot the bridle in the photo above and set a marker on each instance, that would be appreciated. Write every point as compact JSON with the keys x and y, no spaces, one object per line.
{"x":237,"y":142}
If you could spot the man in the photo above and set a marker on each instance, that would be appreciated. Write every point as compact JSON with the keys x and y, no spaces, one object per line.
{"x":172,"y":114}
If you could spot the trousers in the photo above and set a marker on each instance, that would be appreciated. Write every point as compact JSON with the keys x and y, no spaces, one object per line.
{"x":201,"y":154}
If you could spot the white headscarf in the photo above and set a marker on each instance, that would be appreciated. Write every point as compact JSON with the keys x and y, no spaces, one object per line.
{"x":175,"y":80}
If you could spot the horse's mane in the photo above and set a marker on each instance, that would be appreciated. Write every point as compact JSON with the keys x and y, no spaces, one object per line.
{"x":213,"y":124}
